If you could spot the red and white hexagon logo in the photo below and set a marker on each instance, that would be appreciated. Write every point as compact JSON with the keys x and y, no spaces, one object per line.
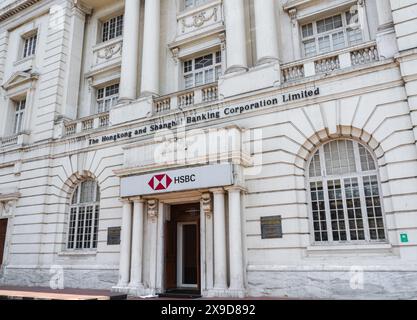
{"x":160,"y":182}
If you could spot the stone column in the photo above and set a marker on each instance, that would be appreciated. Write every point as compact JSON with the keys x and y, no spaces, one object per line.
{"x":130,"y":53}
{"x":363,"y":19}
{"x":153,"y":247}
{"x":137,"y":244}
{"x":296,"y":42}
{"x":385,"y":19}
{"x":235,"y":242}
{"x":150,"y":60}
{"x":206,"y":231}
{"x":266,"y":31}
{"x":386,"y":38}
{"x":126,"y":237}
{"x":220,"y":258}
{"x":74,"y":60}
{"x":235,"y":36}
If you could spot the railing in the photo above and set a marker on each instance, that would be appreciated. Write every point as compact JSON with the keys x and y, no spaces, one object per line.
{"x":107,"y":52}
{"x":9,"y":141}
{"x":104,"y":120}
{"x":293,"y":73}
{"x":15,"y":140}
{"x":86,"y":124}
{"x":350,"y":57}
{"x":327,"y":64}
{"x":364,"y":56}
{"x":70,"y":129}
{"x":188,"y":98}
{"x":210,"y":93}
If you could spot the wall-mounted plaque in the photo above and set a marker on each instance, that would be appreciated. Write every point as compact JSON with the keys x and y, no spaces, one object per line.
{"x":113,"y":236}
{"x":271,"y":227}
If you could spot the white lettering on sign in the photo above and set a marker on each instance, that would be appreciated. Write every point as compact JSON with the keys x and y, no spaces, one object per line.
{"x":178,"y":180}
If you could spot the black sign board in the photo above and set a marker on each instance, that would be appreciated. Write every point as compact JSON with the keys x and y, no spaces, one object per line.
{"x":271,"y":227}
{"x":113,"y":236}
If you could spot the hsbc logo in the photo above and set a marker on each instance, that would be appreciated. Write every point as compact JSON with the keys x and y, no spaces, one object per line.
{"x":162,"y":182}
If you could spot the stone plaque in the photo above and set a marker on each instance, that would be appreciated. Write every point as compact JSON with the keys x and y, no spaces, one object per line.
{"x":271,"y":227}
{"x":113,"y":236}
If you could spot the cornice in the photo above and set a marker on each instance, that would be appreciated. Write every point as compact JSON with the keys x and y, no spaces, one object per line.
{"x":15,"y":7}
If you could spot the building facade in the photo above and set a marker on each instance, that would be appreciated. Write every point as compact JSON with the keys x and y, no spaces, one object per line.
{"x":230,"y":147}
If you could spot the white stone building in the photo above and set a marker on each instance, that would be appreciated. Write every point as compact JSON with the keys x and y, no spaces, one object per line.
{"x":230,"y":147}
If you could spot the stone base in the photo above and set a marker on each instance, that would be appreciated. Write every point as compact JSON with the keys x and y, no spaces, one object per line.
{"x":333,"y":284}
{"x":224,"y":293}
{"x":43,"y":277}
{"x":135,"y":290}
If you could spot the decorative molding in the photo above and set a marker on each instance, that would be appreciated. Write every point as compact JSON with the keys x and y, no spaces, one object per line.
{"x":198,"y":20}
{"x":222,"y":37}
{"x":293,"y":16}
{"x":109,"y":51}
{"x":20,"y":78}
{"x":153,"y":210}
{"x":79,"y":5}
{"x":175,"y":54}
{"x":15,"y":7}
{"x":206,"y":205}
{"x":8,"y":204}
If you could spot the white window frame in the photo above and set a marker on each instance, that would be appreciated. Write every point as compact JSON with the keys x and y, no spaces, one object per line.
{"x":345,"y":28}
{"x":180,"y":254}
{"x":214,"y":66}
{"x":360,"y":175}
{"x":30,"y":42}
{"x":76,"y":209}
{"x":107,"y":101}
{"x":19,"y":116}
{"x":117,"y":28}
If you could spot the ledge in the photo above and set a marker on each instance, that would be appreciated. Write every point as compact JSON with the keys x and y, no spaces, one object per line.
{"x":351,"y":249}
{"x":15,"y":7}
{"x":77,"y":253}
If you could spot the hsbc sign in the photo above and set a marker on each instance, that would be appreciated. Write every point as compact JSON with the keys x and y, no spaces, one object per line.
{"x":178,"y":180}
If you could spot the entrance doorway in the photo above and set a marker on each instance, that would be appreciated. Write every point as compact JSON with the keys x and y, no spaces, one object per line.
{"x":3,"y":229}
{"x":182,"y":249}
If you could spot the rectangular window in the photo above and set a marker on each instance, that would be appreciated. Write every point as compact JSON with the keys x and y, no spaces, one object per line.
{"x":29,"y":45}
{"x":112,"y":28}
{"x":19,"y":116}
{"x":202,"y":70}
{"x":332,"y":33}
{"x":107,"y":97}
{"x":84,"y":217}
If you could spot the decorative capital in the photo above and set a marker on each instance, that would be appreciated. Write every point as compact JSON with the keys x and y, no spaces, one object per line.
{"x":77,"y":5}
{"x":293,"y":14}
{"x":153,"y":210}
{"x":222,"y":37}
{"x":7,"y":208}
{"x":175,"y":54}
{"x":206,"y":204}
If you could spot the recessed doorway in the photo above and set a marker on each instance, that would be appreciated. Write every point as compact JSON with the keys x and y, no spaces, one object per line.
{"x":182,"y":249}
{"x":3,"y":229}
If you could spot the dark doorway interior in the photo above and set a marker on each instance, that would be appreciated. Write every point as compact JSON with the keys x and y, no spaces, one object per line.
{"x":182,"y":251}
{"x":3,"y":229}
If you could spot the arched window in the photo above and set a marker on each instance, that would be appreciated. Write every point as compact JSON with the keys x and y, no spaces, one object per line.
{"x":345,"y":198}
{"x":84,"y":216}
